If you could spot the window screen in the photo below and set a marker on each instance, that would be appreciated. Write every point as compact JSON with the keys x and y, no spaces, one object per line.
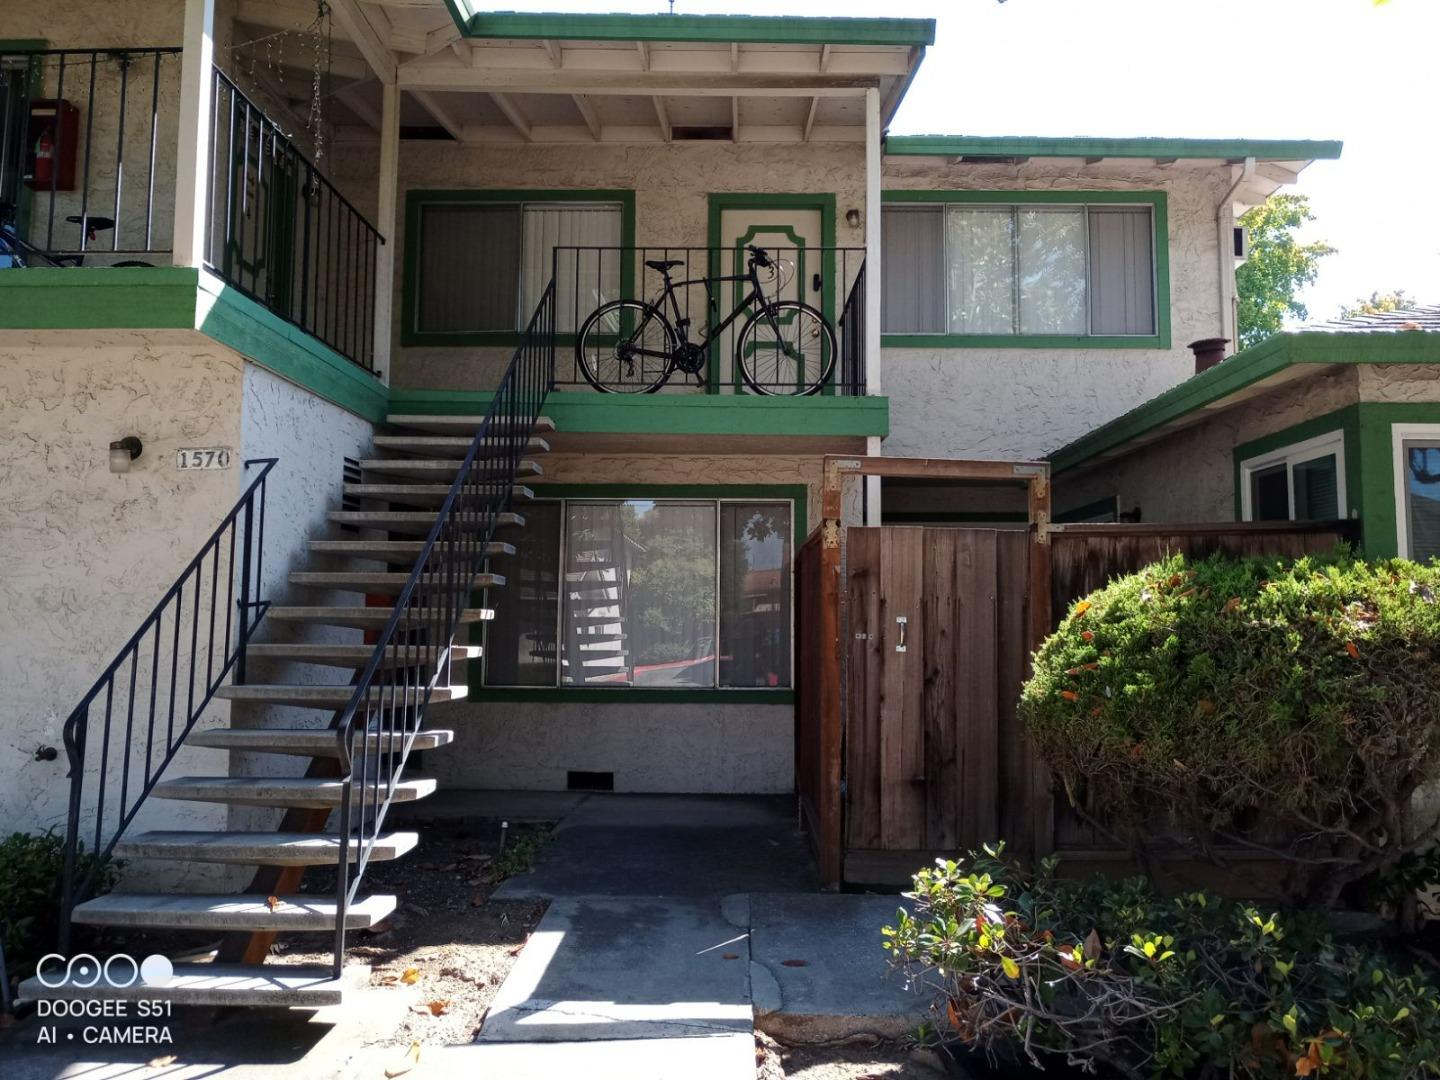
{"x":1422,"y":498}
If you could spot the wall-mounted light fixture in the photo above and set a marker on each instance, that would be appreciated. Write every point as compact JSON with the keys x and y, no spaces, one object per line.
{"x":852,"y":218}
{"x":123,"y":452}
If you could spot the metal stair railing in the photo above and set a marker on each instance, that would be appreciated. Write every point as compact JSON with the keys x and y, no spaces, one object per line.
{"x":412,"y":653}
{"x":158,"y":685}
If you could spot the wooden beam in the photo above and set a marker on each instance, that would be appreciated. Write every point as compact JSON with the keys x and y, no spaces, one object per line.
{"x":829,"y":809}
{"x":554,"y":52}
{"x":644,"y":51}
{"x":734,"y":56}
{"x":355,"y":23}
{"x":442,"y":115}
{"x":192,"y":163}
{"x":825,"y":55}
{"x":506,"y":104}
{"x":587,"y":113}
{"x":441,"y":73}
{"x":810,"y":117}
{"x":350,"y":95}
{"x":735,"y":119}
{"x":662,"y":116}
{"x":1274,"y":172}
{"x":386,"y":218}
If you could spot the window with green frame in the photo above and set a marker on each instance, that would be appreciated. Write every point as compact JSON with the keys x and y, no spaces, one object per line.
{"x":1024,"y":268}
{"x":477,"y":262}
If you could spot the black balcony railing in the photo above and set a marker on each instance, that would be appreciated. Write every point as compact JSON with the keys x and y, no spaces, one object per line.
{"x":826,"y":278}
{"x":87,"y":154}
{"x":281,"y":232}
{"x":133,"y":720}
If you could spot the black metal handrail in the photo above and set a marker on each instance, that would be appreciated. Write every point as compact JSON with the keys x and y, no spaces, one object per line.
{"x":283,"y":234}
{"x":586,"y":277}
{"x":158,"y":679}
{"x":851,"y":366}
{"x":79,"y":135}
{"x":412,"y":654}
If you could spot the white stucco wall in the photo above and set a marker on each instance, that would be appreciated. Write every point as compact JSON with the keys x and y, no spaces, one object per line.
{"x":1023,"y":402}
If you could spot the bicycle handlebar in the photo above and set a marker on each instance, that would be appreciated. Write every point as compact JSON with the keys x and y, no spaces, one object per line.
{"x":758,"y":255}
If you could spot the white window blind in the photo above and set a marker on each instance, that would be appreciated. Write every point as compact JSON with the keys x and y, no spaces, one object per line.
{"x":913,"y":255}
{"x":981,"y":255}
{"x":585,"y":281}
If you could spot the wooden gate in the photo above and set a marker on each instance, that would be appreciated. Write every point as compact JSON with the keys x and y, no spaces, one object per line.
{"x":939,"y":629}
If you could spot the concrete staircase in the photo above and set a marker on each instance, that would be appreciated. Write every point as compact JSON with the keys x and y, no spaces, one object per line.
{"x":401,"y":488}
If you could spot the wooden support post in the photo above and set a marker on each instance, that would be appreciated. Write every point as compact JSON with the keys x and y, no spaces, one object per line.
{"x":385,"y":222}
{"x":829,"y":810}
{"x":192,"y":161}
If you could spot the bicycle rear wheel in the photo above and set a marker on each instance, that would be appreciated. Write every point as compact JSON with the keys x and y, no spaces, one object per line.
{"x":625,"y":347}
{"x":787,"y":348}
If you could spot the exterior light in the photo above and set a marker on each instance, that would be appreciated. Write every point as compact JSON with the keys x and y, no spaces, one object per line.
{"x":123,"y":452}
{"x":852,"y":218}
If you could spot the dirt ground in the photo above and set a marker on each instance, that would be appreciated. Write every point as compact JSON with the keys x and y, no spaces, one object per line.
{"x":853,"y":1059}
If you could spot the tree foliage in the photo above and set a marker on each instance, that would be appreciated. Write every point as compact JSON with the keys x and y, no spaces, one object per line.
{"x":1278,"y":266}
{"x":1229,"y":702}
{"x":1377,"y":303}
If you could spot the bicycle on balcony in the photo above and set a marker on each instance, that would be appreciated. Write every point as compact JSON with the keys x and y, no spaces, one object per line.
{"x":785,"y":347}
{"x":16,"y":252}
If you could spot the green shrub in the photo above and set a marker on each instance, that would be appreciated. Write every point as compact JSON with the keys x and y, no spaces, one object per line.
{"x":1248,"y":697}
{"x":31,"y":873}
{"x":1115,"y":975}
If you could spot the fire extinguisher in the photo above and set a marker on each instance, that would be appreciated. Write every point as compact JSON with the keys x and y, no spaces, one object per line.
{"x":44,"y":158}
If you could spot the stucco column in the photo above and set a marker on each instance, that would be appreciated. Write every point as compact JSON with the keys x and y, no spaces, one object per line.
{"x":192,"y":158}
{"x":385,"y":221}
{"x":873,"y":135}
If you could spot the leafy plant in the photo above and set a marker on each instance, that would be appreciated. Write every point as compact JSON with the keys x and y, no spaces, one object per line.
{"x":1267,"y":284}
{"x":1113,"y":974}
{"x":1235,"y":701}
{"x":519,"y":854}
{"x":31,"y":871}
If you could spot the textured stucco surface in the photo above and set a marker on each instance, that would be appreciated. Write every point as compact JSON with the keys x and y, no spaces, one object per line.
{"x":1399,"y":383}
{"x":1190,"y":476}
{"x":1024,"y":403}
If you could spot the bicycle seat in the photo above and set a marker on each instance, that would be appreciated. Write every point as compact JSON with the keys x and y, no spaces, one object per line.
{"x":663,"y":264}
{"x":98,"y":223}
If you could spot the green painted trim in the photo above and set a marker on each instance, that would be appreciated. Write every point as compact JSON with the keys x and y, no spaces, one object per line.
{"x":251,"y":329}
{"x":1345,"y":420}
{"x":1088,"y":510}
{"x":675,"y":414}
{"x":1249,"y":366}
{"x":1033,"y":146}
{"x":414,"y":200}
{"x":796,"y":494}
{"x":742,"y":29}
{"x":98,"y":298}
{"x":1377,"y":460}
{"x":1158,"y":203}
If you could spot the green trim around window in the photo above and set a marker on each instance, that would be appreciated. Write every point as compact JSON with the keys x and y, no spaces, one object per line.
{"x":1034,"y":146}
{"x":796,"y":494}
{"x":414,"y":200}
{"x":1377,"y":468}
{"x":1160,"y":222}
{"x":1345,"y":420}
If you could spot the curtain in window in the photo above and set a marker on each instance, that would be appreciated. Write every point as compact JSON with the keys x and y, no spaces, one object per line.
{"x":468,"y":255}
{"x":755,"y":594}
{"x":520,"y":643}
{"x":1422,"y":498}
{"x":913,"y":284}
{"x":981,"y":278}
{"x":1122,"y":271}
{"x":585,"y":279}
{"x":1317,"y":493}
{"x":1051,"y":242}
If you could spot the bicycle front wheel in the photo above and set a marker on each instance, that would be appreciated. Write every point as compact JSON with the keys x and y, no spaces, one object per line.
{"x":786,"y":348}
{"x":625,"y":347}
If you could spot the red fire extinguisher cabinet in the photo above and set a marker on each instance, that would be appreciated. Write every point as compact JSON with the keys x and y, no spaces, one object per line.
{"x":54,"y":127}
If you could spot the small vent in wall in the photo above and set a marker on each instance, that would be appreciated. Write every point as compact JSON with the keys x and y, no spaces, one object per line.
{"x":589,"y":781}
{"x":702,"y":133}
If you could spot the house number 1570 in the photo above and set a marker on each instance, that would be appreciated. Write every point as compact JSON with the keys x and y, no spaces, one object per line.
{"x":203,"y":457}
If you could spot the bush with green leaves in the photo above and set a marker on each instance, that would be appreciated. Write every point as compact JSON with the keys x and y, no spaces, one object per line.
{"x":31,"y":873}
{"x":1114,"y":977}
{"x":1249,"y":699}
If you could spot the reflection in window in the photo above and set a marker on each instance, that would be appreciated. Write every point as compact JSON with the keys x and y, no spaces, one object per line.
{"x":755,"y":594}
{"x":1422,"y":498}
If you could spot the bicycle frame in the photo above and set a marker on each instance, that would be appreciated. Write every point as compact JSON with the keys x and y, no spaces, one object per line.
{"x":682,"y":324}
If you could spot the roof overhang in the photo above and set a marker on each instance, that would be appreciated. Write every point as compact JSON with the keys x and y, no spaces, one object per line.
{"x":1284,"y":358}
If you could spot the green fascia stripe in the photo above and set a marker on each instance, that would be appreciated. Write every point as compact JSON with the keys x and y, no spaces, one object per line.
{"x":674,"y":414}
{"x":1345,"y":420}
{"x":726,"y":29}
{"x":1251,"y":365}
{"x":1160,"y":216}
{"x":251,"y":329}
{"x":98,"y":298}
{"x":1030,"y":146}
{"x":1377,"y":464}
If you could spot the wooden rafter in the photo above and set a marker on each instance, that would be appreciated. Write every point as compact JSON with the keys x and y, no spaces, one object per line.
{"x":662,"y":116}
{"x":554,"y":52}
{"x":810,"y":117}
{"x":506,"y":104}
{"x":735,"y":119}
{"x":350,"y":95}
{"x":443,"y":116}
{"x":587,"y":113}
{"x":357,"y":24}
{"x":644,"y":50}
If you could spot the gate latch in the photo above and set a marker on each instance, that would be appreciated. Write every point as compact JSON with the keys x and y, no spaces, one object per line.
{"x":902,"y":622}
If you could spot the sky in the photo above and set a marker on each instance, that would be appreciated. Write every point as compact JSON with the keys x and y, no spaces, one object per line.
{"x":1311,"y":69}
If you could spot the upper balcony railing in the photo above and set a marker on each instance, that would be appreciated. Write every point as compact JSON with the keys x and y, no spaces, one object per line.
{"x":708,"y":285}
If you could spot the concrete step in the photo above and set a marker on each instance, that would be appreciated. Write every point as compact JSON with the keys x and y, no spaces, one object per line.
{"x":398,"y":552}
{"x":347,"y":656}
{"x":407,"y":521}
{"x":289,"y":791}
{"x":258,"y":848}
{"x":206,"y":911}
{"x":419,"y":494}
{"x":275,"y":985}
{"x":459,"y":425}
{"x":438,"y":468}
{"x":324,"y":697}
{"x":368,"y":618}
{"x":305,"y":742}
{"x":448,"y":446}
{"x":378,"y":581}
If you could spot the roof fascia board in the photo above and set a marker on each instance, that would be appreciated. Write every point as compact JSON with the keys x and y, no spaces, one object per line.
{"x":1023,"y":146}
{"x":727,"y":29}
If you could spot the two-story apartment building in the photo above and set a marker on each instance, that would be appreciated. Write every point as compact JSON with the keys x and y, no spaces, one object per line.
{"x":363,"y":231}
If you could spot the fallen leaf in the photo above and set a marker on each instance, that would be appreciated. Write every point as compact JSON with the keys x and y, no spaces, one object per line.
{"x":794,"y":963}
{"x":1012,"y":969}
{"x":439,"y":1008}
{"x":730,"y":956}
{"x":411,"y":976}
{"x":1069,"y":695}
{"x":272,"y":902}
{"x":405,"y":1064}
{"x":161,"y":1062}
{"x":1092,"y":945}
{"x":952,"y":1014}
{"x":1352,"y":650}
{"x":1082,"y":607}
